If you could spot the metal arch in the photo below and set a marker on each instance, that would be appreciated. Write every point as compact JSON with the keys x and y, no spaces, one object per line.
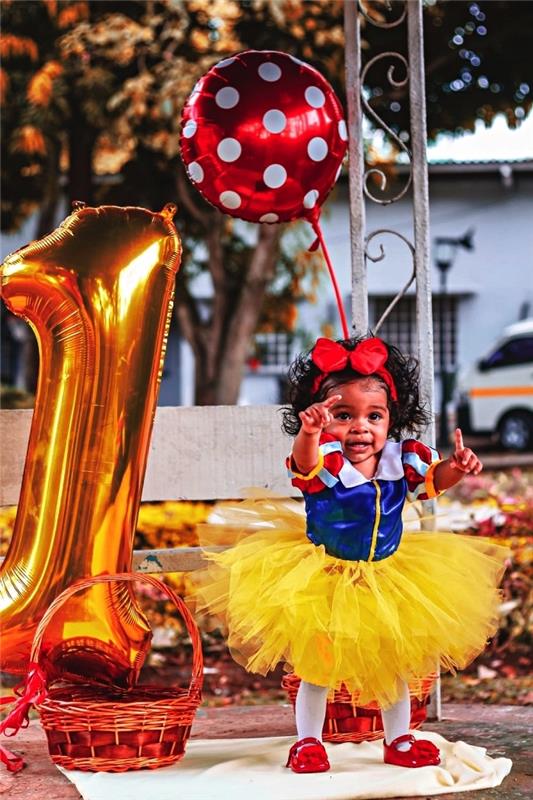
{"x":418,"y":181}
{"x":356,"y":75}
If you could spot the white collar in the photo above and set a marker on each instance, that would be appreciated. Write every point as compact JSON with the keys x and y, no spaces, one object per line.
{"x":390,"y":467}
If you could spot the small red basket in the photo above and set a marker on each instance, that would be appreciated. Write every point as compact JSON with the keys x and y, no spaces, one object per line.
{"x":106,"y":729}
{"x":346,"y":721}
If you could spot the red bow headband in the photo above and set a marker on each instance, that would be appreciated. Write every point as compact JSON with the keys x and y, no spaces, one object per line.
{"x":368,"y":358}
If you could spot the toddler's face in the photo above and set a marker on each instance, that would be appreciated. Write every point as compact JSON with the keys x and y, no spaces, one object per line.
{"x":361,"y":422}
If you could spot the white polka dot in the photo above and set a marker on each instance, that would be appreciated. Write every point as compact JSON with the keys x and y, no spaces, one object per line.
{"x":315,"y":96}
{"x":196,"y":172}
{"x":225,"y":63}
{"x":317,"y":149}
{"x":275,"y":176}
{"x":310,"y":199}
{"x":269,"y":218}
{"x":228,"y":97}
{"x":190,"y":128}
{"x":269,"y":71}
{"x":230,"y":199}
{"x":274,"y":120}
{"x":343,"y":130}
{"x":229,"y":150}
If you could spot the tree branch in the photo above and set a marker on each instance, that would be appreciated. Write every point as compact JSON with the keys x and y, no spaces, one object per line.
{"x":187,"y":315}
{"x":185,"y":195}
{"x":244,"y":319}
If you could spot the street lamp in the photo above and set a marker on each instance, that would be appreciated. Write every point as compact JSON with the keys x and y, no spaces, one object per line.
{"x":445,"y":252}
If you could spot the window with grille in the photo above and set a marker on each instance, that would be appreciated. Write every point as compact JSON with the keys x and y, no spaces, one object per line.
{"x":399,"y":328}
{"x":273,"y":351}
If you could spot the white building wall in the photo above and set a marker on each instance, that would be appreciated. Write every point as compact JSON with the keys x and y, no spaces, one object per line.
{"x":495,"y":279}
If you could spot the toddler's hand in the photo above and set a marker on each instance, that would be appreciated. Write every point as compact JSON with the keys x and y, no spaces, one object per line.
{"x":318,"y":416}
{"x":463,"y":458}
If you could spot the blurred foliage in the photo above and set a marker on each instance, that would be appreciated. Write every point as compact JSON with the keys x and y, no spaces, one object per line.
{"x":499,"y":690}
{"x":10,"y":397}
{"x":476,"y":55}
{"x":121,"y":71}
{"x":171,"y":524}
{"x":7,"y":521}
{"x":502,"y":673}
{"x":100,"y":93}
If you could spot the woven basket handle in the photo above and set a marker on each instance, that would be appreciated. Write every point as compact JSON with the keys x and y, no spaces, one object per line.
{"x":197,"y":658}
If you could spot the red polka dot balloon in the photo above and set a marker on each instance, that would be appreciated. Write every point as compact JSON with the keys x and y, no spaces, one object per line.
{"x":263,"y":137}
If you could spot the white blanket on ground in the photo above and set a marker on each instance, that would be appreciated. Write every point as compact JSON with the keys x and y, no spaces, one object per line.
{"x":253,"y":769}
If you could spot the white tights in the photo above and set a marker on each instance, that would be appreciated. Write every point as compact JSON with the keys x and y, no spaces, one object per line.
{"x":310,"y":710}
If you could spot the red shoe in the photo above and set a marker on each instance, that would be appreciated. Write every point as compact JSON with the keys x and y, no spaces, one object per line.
{"x":308,"y":755}
{"x":421,"y":753}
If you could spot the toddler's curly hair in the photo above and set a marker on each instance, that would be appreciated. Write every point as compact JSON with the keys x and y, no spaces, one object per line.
{"x":408,"y":414}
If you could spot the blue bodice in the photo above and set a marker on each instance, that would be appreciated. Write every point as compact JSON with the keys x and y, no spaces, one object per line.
{"x":358,"y":519}
{"x":357,"y":523}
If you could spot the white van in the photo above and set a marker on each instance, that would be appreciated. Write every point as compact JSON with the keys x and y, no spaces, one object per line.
{"x":495,"y":396}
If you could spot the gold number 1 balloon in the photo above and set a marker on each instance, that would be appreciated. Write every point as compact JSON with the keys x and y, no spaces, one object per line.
{"x":98,"y":294}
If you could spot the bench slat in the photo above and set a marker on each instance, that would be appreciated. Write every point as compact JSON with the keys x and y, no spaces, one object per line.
{"x":196,"y":453}
{"x":171,"y":559}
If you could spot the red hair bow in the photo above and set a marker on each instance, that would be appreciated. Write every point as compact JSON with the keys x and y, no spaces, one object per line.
{"x":368,"y":358}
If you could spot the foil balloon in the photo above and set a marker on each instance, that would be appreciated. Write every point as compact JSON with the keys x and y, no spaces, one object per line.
{"x":97,"y":293}
{"x":263,"y":137}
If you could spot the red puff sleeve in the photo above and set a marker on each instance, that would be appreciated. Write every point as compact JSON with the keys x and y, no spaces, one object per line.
{"x":325,"y":474}
{"x":419,"y":462}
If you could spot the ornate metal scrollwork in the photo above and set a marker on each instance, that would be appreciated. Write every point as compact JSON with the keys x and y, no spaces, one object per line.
{"x":397,"y":83}
{"x":380,"y":257}
{"x":370,"y":111}
{"x":380,"y":23}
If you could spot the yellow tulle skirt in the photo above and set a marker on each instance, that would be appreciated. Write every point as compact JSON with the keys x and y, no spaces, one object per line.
{"x":369,"y":625}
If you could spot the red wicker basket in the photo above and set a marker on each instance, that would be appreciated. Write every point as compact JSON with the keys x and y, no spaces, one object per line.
{"x":105,"y":729}
{"x":348,"y":722}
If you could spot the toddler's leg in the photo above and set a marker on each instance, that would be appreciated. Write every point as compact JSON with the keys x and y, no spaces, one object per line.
{"x":310,"y":710}
{"x":308,"y":753}
{"x":400,"y":747}
{"x":396,"y":719}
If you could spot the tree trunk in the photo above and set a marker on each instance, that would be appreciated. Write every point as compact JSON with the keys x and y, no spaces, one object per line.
{"x":205,"y":394}
{"x":47,"y":211}
{"x":81,"y":140}
{"x":245,"y":317}
{"x":221,"y":346}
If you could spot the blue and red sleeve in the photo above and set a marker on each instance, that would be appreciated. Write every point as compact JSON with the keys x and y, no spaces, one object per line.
{"x":419,"y":463}
{"x":325,"y":474}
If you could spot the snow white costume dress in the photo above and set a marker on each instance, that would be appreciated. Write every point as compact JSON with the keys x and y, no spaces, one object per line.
{"x":343,"y":595}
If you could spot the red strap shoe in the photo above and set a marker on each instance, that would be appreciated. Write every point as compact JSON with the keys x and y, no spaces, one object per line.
{"x":422,"y":753}
{"x":308,"y":755}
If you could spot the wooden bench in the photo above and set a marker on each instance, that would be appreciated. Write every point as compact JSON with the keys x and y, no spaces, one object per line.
{"x":196,"y":453}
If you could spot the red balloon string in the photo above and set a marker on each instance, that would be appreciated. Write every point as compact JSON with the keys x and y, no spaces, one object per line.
{"x":315,"y":222}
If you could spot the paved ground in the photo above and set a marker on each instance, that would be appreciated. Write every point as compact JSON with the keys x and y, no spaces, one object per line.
{"x":503,"y":730}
